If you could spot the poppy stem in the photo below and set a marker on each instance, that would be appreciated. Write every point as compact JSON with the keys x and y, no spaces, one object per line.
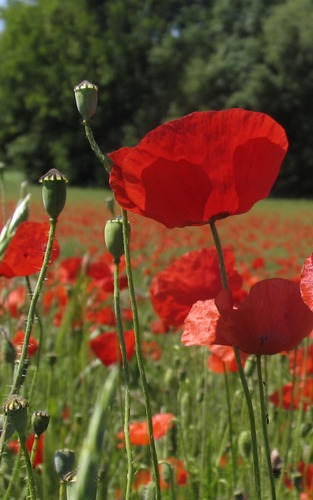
{"x":252,"y":425}
{"x":264,"y":418}
{"x":31,"y":488}
{"x":94,"y":146}
{"x":243,"y":379}
{"x":32,"y":307}
{"x":117,"y":310}
{"x":218,"y":246}
{"x":140,"y":362}
{"x":230,"y":424}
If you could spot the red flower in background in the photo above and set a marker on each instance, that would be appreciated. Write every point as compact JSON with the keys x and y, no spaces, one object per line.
{"x":222,"y":359}
{"x":194,"y":276}
{"x":139,"y":434}
{"x":271,"y":319}
{"x":203,"y":166}
{"x":25,"y":252}
{"x":301,"y":361}
{"x":15,"y":446}
{"x":106,"y":347}
{"x":293,"y":396}
{"x":18,"y":341}
{"x":306,"y":282}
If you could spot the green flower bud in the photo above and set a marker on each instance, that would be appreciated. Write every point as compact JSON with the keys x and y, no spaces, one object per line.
{"x":244,"y":444}
{"x":53,"y":192}
{"x":86,"y":96}
{"x":16,"y":410}
{"x":64,"y":461}
{"x":52,"y":358}
{"x":113,"y":236}
{"x":40,"y":422}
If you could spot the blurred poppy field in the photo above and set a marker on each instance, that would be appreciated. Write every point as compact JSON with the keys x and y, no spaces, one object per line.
{"x":201,"y":342}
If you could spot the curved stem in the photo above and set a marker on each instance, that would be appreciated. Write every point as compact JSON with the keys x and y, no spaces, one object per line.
{"x":218,"y":246}
{"x":139,"y":356}
{"x":32,"y":306}
{"x":117,"y":309}
{"x":94,"y":146}
{"x":264,"y":427}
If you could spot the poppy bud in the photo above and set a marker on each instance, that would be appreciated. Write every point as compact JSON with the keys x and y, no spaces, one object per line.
{"x":244,"y":444}
{"x":52,"y":358}
{"x":40,"y":422}
{"x":276,"y":462}
{"x":64,"y":461}
{"x":113,"y":236}
{"x":296,"y":479}
{"x":150,"y":491}
{"x":16,"y":410}
{"x":53,"y":192}
{"x":86,"y":96}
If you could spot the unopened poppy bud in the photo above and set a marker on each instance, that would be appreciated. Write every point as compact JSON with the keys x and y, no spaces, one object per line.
{"x":52,"y":358}
{"x":113,"y":236}
{"x":64,"y":461}
{"x":296,"y":479}
{"x":150,"y":491}
{"x":86,"y":97}
{"x":244,"y":444}
{"x":239,"y":495}
{"x":40,"y":422}
{"x":16,"y":410}
{"x":276,"y":462}
{"x":53,"y":192}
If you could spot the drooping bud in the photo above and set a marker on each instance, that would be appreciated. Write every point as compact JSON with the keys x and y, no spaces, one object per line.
{"x":40,"y":422}
{"x":64,"y":460}
{"x":16,"y":410}
{"x":244,"y":444}
{"x":53,"y":192}
{"x":86,"y":97}
{"x":113,"y":236}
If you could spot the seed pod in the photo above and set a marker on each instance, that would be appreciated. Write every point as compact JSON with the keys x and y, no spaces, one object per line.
{"x":16,"y":410}
{"x":53,"y":192}
{"x":113,"y":236}
{"x":40,"y":422}
{"x":86,"y":97}
{"x":64,"y":460}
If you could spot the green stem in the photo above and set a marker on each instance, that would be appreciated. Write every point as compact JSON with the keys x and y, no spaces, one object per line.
{"x":139,"y":356}
{"x":230,"y":425}
{"x":18,"y":374}
{"x":14,"y":477}
{"x":243,"y":379}
{"x":252,"y":425}
{"x":264,"y":427}
{"x":94,"y":146}
{"x":117,"y":309}
{"x":29,"y":470}
{"x":32,"y":306}
{"x":34,"y":449}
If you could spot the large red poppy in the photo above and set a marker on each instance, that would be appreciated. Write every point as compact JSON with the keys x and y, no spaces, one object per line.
{"x":271,"y":319}
{"x":194,"y":276}
{"x":25,"y":252}
{"x":106,"y":347}
{"x":203,"y":166}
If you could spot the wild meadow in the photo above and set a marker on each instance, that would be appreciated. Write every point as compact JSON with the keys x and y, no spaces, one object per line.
{"x":220,"y":428}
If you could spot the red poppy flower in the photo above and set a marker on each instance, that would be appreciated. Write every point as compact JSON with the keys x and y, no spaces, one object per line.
{"x":290,"y":396}
{"x":201,"y":167}
{"x":106,"y":347}
{"x":306,"y":282}
{"x":143,"y":476}
{"x":301,"y":361}
{"x":139,"y":435}
{"x":194,"y":276}
{"x":223,"y":359}
{"x":18,"y":341}
{"x":38,"y":460}
{"x":25,"y":252}
{"x":271,"y":319}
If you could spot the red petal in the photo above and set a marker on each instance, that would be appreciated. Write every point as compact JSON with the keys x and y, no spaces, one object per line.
{"x":106,"y":347}
{"x":25,"y":252}
{"x":203,"y":166}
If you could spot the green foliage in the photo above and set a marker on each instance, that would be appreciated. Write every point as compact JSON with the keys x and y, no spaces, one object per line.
{"x":152,"y":62}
